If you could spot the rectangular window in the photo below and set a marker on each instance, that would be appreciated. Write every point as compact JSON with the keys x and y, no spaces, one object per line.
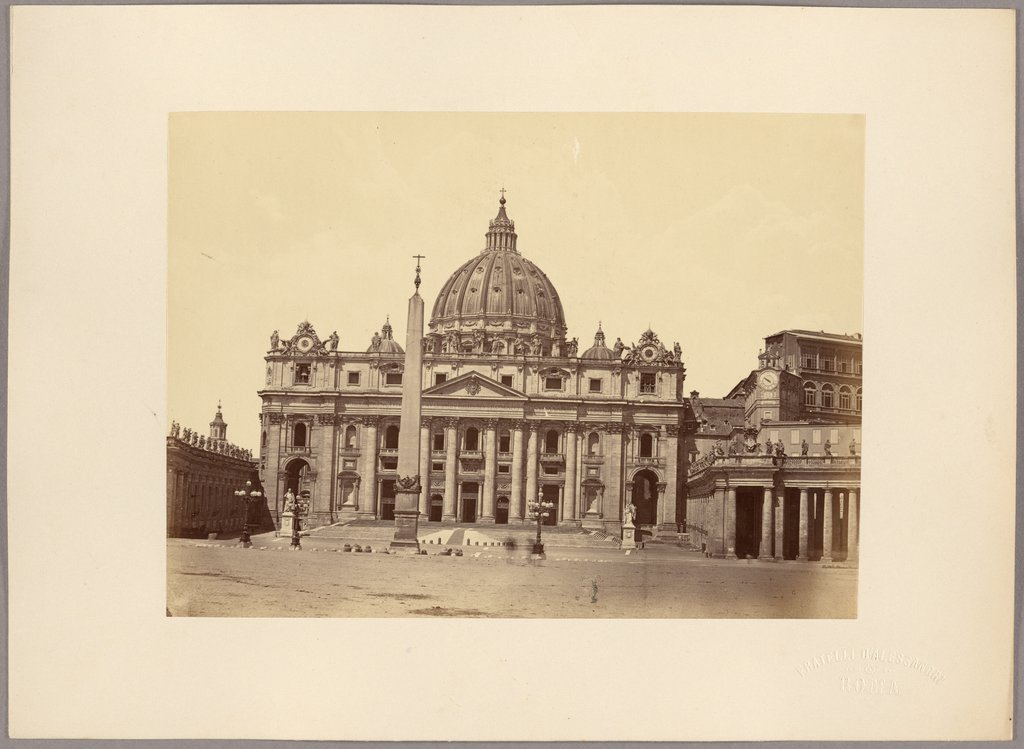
{"x":302,"y":374}
{"x":648,"y":383}
{"x":857,"y":366}
{"x":595,"y":384}
{"x":393,"y":378}
{"x":833,"y":436}
{"x":551,"y":470}
{"x":389,"y":464}
{"x":439,"y":440}
{"x":794,"y":436}
{"x":504,"y":443}
{"x":553,"y":383}
{"x":841,"y":366}
{"x":809,"y":359}
{"x":504,"y":469}
{"x":816,"y":436}
{"x":353,"y":378}
{"x":440,"y":377}
{"x":437,"y":467}
{"x":506,"y":380}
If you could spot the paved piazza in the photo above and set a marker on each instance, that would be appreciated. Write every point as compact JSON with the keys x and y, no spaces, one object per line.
{"x":218,"y":578}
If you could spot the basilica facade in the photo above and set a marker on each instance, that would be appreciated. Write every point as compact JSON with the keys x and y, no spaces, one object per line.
{"x":512,"y":410}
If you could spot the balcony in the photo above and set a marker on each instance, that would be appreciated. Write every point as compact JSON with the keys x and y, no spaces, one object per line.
{"x":387,"y":452}
{"x":438,"y":454}
{"x":593,"y":460}
{"x":472,"y":455}
{"x":649,"y":461}
{"x":787,"y":462}
{"x":298,"y":450}
{"x":552,"y":459}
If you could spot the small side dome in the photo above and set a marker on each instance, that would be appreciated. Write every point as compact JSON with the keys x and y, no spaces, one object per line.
{"x":599,"y":350}
{"x":385,"y":343}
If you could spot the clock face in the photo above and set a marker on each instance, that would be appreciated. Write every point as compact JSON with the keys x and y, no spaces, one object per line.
{"x":769,"y":380}
{"x":305,"y":343}
{"x":648,"y":352}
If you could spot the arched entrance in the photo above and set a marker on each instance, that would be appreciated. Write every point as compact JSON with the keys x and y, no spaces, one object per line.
{"x":501,"y":511}
{"x":434,"y":513}
{"x":295,"y":475}
{"x":645,"y":497}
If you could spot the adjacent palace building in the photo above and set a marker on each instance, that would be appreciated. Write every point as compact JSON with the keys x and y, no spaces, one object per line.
{"x":513,"y":409}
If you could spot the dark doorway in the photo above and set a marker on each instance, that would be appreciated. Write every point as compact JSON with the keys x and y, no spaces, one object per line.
{"x":387,"y":500}
{"x":645,"y":497}
{"x":791,"y":523}
{"x":469,"y":498}
{"x":501,"y":511}
{"x":749,"y":500}
{"x":434,"y":513}
{"x":294,"y":475}
{"x":550,"y":494}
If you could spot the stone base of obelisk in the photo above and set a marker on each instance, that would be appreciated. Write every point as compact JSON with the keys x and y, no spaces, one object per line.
{"x":628,"y":536}
{"x":407,"y":522}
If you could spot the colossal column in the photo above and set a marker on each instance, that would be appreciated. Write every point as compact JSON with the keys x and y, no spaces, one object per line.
{"x":425,"y":466}
{"x":569,"y":510}
{"x":765,"y":550}
{"x":368,"y":482}
{"x":780,"y":526}
{"x":515,"y":502}
{"x":826,"y":529}
{"x":490,"y":470}
{"x":852,"y":546}
{"x":802,"y":532}
{"x":407,"y":492}
{"x":451,"y":435}
{"x":730,"y":523}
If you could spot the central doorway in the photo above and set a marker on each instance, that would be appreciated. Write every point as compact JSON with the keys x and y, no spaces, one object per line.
{"x":501,"y":511}
{"x":436,"y":503}
{"x":549,"y":493}
{"x":469,"y":500}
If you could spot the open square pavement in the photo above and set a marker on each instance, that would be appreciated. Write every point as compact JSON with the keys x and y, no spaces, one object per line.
{"x":219,"y":578}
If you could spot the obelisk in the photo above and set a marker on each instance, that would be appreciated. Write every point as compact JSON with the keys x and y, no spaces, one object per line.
{"x":407,"y":491}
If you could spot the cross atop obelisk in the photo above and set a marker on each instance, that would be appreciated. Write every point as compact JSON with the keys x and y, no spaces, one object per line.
{"x":407,"y":492}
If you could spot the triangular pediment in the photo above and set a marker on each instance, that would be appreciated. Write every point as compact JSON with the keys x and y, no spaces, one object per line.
{"x":472,"y":385}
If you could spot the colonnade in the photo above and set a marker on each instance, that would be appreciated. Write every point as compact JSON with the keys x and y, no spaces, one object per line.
{"x":826,"y":527}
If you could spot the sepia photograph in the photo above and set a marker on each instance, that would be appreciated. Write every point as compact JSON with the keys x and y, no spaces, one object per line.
{"x":642,"y":401}
{"x":429,"y":364}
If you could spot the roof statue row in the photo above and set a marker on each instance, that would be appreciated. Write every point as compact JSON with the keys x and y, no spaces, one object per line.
{"x":649,"y":351}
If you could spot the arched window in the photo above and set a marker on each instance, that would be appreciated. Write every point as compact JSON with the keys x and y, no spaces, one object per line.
{"x":551,"y":441}
{"x":391,"y":437}
{"x":810,"y":394}
{"x":593,"y":443}
{"x":263,"y":440}
{"x":646,"y":445}
{"x":859,"y":395}
{"x":472,"y":439}
{"x":844,"y":397}
{"x":350,"y":436}
{"x":299,"y":435}
{"x":826,"y":395}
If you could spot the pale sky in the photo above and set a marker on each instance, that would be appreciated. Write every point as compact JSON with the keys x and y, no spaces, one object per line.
{"x":714,"y":229}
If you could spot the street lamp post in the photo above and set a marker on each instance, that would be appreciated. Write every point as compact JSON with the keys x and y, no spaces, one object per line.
{"x":540,"y":510}
{"x":299,"y":508}
{"x":248,"y":497}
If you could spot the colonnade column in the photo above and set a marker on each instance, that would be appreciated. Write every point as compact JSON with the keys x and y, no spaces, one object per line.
{"x":569,"y":501}
{"x":765,"y":548}
{"x":780,"y":526}
{"x":826,"y":529}
{"x":515,"y":502}
{"x":531,"y":464}
{"x":368,"y":500}
{"x":490,"y":470}
{"x":802,"y":532}
{"x":729,"y":523}
{"x":852,"y":523}
{"x":451,"y":436}
{"x":425,"y":468}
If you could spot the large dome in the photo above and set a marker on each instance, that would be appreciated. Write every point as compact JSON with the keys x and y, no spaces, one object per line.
{"x":498,"y":301}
